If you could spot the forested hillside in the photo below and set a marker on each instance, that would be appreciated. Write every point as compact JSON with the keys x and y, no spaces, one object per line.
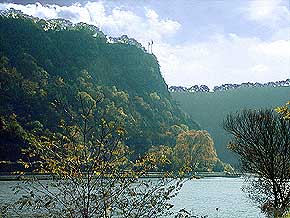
{"x":210,"y":108}
{"x":45,"y":64}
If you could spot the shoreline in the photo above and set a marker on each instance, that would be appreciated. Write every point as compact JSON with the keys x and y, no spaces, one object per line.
{"x":197,"y":175}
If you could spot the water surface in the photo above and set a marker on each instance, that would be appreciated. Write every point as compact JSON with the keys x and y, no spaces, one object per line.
{"x":201,"y":196}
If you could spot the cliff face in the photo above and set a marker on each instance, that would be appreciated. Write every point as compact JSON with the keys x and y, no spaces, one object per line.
{"x":44,"y":61}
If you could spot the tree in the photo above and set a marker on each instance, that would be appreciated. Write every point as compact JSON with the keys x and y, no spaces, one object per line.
{"x":164,"y":154}
{"x":262,"y":140}
{"x":284,"y":110}
{"x":57,"y":56}
{"x":90,"y":174}
{"x":195,"y":149}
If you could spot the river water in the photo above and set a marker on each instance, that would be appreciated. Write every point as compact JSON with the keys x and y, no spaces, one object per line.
{"x":205,"y":195}
{"x":202,"y":197}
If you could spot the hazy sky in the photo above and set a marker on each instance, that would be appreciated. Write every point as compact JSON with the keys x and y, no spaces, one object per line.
{"x":196,"y":41}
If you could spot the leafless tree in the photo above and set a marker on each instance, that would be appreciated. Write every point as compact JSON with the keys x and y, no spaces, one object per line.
{"x":261,"y":138}
{"x":90,"y":172}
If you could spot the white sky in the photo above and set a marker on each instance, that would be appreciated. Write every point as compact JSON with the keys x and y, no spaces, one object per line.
{"x":196,"y":42}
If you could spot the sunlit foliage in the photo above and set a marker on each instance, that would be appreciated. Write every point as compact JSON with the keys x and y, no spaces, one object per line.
{"x":89,"y":170}
{"x":43,"y":61}
{"x":284,"y":110}
{"x":209,"y":110}
{"x":195,"y":149}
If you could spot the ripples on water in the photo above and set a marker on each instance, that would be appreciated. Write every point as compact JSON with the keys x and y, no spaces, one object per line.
{"x":201,"y":196}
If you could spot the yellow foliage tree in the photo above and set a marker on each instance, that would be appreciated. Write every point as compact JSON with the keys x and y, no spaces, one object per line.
{"x":195,"y":149}
{"x":284,"y":110}
{"x":90,"y":174}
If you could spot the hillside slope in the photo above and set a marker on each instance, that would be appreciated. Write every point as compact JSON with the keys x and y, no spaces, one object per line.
{"x":44,"y":61}
{"x":210,"y":108}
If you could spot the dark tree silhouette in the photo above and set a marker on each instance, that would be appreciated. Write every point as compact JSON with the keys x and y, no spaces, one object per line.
{"x":262,"y":140}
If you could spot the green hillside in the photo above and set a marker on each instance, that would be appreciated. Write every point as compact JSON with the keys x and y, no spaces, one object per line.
{"x":46,"y":62}
{"x":210,"y":108}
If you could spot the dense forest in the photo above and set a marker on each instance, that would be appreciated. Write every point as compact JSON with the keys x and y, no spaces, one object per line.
{"x":45,"y":65}
{"x":210,"y":108}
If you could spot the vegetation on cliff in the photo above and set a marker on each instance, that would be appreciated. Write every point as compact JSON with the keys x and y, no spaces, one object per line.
{"x":45,"y":65}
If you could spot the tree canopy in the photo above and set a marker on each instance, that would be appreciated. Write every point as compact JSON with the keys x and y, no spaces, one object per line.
{"x":44,"y":62}
{"x":262,"y":140}
{"x":89,"y":170}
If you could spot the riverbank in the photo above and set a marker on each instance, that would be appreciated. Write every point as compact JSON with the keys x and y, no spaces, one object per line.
{"x":217,"y":174}
{"x":196,"y":175}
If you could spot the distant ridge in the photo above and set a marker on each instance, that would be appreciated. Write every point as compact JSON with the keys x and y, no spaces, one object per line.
{"x":204,"y":88}
{"x":210,"y":108}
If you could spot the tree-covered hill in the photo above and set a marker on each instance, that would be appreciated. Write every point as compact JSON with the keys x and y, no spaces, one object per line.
{"x":210,"y":108}
{"x":44,"y":62}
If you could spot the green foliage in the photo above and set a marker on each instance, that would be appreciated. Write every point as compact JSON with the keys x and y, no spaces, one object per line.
{"x":45,"y":62}
{"x":164,"y":155}
{"x":209,"y":110}
{"x":195,"y":149}
{"x":89,"y":170}
{"x":12,"y":137}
